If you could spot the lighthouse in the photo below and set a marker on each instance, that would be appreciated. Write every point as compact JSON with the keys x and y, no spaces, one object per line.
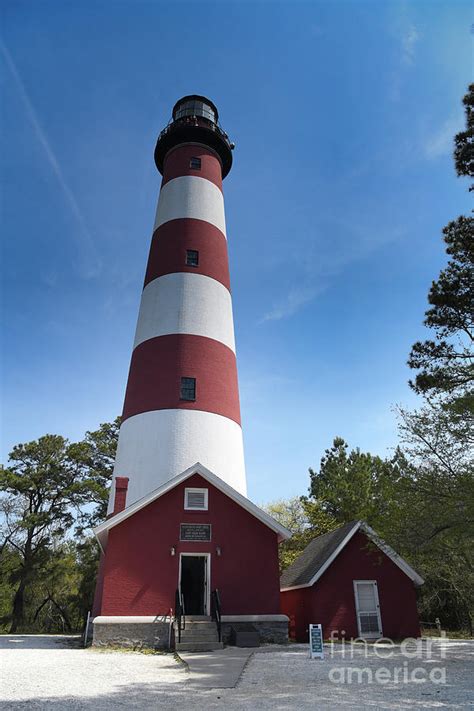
{"x":182,"y":399}
{"x":181,"y":537}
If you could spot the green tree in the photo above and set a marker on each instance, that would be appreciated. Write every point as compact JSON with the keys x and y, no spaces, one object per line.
{"x":446,"y":364}
{"x":354,"y":485}
{"x":464,"y":141}
{"x":95,"y":456}
{"x":44,"y":489}
{"x":304,"y":519}
{"x":437,"y":528}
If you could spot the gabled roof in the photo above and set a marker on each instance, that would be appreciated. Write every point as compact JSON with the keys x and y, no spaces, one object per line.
{"x":323,"y":550}
{"x":101,"y":531}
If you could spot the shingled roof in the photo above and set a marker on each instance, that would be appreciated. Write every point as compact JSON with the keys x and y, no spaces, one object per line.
{"x":320,"y":553}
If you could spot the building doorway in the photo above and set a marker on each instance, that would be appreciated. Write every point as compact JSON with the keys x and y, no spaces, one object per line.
{"x":193,"y":582}
{"x":369,"y":622}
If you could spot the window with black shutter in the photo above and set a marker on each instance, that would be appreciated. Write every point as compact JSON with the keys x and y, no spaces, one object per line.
{"x":192,"y":258}
{"x":188,"y":389}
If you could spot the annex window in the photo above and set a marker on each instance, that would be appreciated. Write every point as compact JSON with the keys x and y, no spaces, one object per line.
{"x":196,"y":499}
{"x":192,"y":258}
{"x":188,"y":389}
{"x":195,"y":163}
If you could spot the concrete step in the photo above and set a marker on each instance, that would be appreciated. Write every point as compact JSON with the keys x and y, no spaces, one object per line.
{"x":198,"y":646}
{"x":198,"y":633}
{"x":200,"y":630}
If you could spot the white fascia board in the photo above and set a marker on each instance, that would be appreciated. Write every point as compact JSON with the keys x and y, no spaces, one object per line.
{"x":101,"y":531}
{"x":393,"y":555}
{"x":384,"y":547}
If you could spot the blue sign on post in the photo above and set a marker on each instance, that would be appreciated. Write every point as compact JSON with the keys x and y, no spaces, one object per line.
{"x":316,"y":642}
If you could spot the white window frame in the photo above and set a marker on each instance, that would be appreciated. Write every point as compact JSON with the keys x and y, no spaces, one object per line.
{"x":368,"y":635}
{"x":196,"y":491}
{"x":207,"y":578}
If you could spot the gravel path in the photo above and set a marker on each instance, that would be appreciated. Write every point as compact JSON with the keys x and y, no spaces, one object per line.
{"x":52,"y":672}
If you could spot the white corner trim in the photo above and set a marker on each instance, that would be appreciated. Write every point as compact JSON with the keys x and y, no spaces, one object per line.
{"x":393,"y":555}
{"x":255,"y":618}
{"x":101,"y":531}
{"x":331,"y":558}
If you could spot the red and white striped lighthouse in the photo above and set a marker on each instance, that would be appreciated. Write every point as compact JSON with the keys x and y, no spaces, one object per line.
{"x":182,"y":400}
{"x":181,"y":535}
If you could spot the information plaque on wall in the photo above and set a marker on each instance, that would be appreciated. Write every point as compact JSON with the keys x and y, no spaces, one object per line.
{"x":195,"y":532}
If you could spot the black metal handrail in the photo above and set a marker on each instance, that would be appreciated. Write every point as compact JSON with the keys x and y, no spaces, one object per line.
{"x":216,"y":612}
{"x":180,"y":613}
{"x":195,"y":121}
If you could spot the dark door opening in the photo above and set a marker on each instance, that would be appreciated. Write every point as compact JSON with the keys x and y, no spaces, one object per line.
{"x":193,"y":584}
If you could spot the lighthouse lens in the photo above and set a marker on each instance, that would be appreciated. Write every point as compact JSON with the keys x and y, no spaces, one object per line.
{"x":195,"y":108}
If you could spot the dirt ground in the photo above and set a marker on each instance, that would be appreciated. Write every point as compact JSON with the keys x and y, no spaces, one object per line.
{"x":53,"y":672}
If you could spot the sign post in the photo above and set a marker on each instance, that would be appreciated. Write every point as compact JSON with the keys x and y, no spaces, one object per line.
{"x":316,"y":642}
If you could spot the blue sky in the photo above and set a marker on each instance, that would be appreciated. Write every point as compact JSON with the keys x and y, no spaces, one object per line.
{"x":343,"y":115}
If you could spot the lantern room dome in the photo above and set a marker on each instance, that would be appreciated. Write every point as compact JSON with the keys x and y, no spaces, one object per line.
{"x":195,"y":120}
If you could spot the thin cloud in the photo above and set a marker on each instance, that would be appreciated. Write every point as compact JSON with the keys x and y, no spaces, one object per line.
{"x":441,"y":141}
{"x":296,"y":298}
{"x":332,"y":258}
{"x":90,"y":264}
{"x":409,"y":39}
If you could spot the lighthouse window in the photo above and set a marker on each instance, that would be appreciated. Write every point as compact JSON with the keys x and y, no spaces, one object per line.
{"x":196,"y":499}
{"x":195,"y":163}
{"x":192,"y":258}
{"x":188,"y":389}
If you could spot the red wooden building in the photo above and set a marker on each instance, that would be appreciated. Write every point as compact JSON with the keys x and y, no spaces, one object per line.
{"x":352,"y":583}
{"x":195,"y":534}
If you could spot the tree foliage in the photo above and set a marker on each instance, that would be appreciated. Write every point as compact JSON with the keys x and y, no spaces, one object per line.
{"x":464,"y":141}
{"x":50,"y":488}
{"x":352,"y":485}
{"x":446,"y":364}
{"x":304,"y":519}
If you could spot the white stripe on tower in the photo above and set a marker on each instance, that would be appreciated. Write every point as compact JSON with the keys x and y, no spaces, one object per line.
{"x":191,"y":197}
{"x":185,"y":330}
{"x":163,"y":441}
{"x":186,"y":303}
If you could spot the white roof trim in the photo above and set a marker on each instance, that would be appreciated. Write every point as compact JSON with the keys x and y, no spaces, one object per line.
{"x":101,"y":531}
{"x":393,"y":555}
{"x":384,"y":547}
{"x":331,"y":558}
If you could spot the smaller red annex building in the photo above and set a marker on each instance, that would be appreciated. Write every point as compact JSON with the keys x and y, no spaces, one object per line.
{"x":354,"y":585}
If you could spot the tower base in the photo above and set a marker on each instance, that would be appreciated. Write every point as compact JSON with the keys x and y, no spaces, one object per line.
{"x":150,"y":632}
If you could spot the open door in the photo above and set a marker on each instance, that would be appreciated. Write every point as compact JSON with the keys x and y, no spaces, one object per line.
{"x":369,"y":622}
{"x":193,"y":583}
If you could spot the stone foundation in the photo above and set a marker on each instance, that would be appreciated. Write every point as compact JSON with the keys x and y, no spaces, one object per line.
{"x":272,"y":629}
{"x":154,"y":632}
{"x":132,"y":632}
